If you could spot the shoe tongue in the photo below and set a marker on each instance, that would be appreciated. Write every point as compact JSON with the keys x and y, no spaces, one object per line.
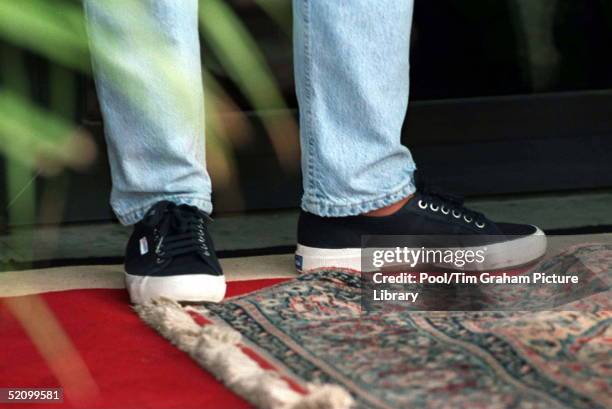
{"x":187,"y":208}
{"x":193,"y":210}
{"x":179,"y":219}
{"x":159,"y":207}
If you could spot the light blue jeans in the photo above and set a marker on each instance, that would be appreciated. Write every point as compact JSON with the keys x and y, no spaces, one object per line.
{"x":352,"y":77}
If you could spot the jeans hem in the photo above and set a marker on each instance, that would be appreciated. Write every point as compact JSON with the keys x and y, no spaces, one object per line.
{"x":134,"y":215}
{"x":328,"y":209}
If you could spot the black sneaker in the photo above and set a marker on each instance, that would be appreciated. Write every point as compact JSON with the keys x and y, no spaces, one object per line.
{"x":171,"y":254}
{"x":433,"y":219}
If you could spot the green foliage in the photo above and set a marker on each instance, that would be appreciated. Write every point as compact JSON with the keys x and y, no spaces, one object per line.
{"x":54,"y":29}
{"x":44,"y":139}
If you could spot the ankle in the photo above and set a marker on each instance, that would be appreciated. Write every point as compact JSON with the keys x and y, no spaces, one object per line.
{"x":390,"y":209}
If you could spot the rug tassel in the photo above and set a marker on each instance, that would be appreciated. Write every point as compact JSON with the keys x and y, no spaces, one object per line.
{"x":217,"y":349}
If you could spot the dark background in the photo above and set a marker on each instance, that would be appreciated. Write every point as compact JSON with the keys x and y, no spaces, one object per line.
{"x":507,"y":97}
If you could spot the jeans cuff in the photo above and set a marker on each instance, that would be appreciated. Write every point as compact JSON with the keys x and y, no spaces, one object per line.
{"x":328,"y":209}
{"x":134,"y":215}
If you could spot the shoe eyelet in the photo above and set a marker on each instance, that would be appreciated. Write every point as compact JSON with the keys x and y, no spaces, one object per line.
{"x":159,"y":260}
{"x":444,"y":210}
{"x":456,"y":214}
{"x":422,"y":204}
{"x":480,"y":225}
{"x":433,"y":208}
{"x":467,"y":219}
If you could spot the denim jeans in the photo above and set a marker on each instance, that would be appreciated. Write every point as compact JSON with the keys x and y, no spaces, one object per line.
{"x":352,"y":78}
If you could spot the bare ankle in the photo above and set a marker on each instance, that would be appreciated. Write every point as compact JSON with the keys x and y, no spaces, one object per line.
{"x":388,"y":210}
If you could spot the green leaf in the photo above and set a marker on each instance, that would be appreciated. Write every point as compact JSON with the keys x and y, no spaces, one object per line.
{"x":53,"y":29}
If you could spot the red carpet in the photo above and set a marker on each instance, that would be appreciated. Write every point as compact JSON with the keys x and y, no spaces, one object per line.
{"x":130,"y":364}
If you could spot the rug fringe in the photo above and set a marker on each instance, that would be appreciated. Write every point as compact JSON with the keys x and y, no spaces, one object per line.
{"x":216,"y":348}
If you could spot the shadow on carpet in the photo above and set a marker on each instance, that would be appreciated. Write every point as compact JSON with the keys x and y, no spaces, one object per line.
{"x":307,"y":343}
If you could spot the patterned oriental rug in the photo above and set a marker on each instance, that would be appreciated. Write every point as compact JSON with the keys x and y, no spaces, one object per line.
{"x":306,"y":343}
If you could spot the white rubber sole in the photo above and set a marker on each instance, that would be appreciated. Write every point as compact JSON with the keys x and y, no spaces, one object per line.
{"x":188,"y":287}
{"x":505,"y":255}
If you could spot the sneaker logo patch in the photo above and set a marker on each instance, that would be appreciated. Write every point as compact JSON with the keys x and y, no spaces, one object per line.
{"x":298,"y":262}
{"x":144,"y":246}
